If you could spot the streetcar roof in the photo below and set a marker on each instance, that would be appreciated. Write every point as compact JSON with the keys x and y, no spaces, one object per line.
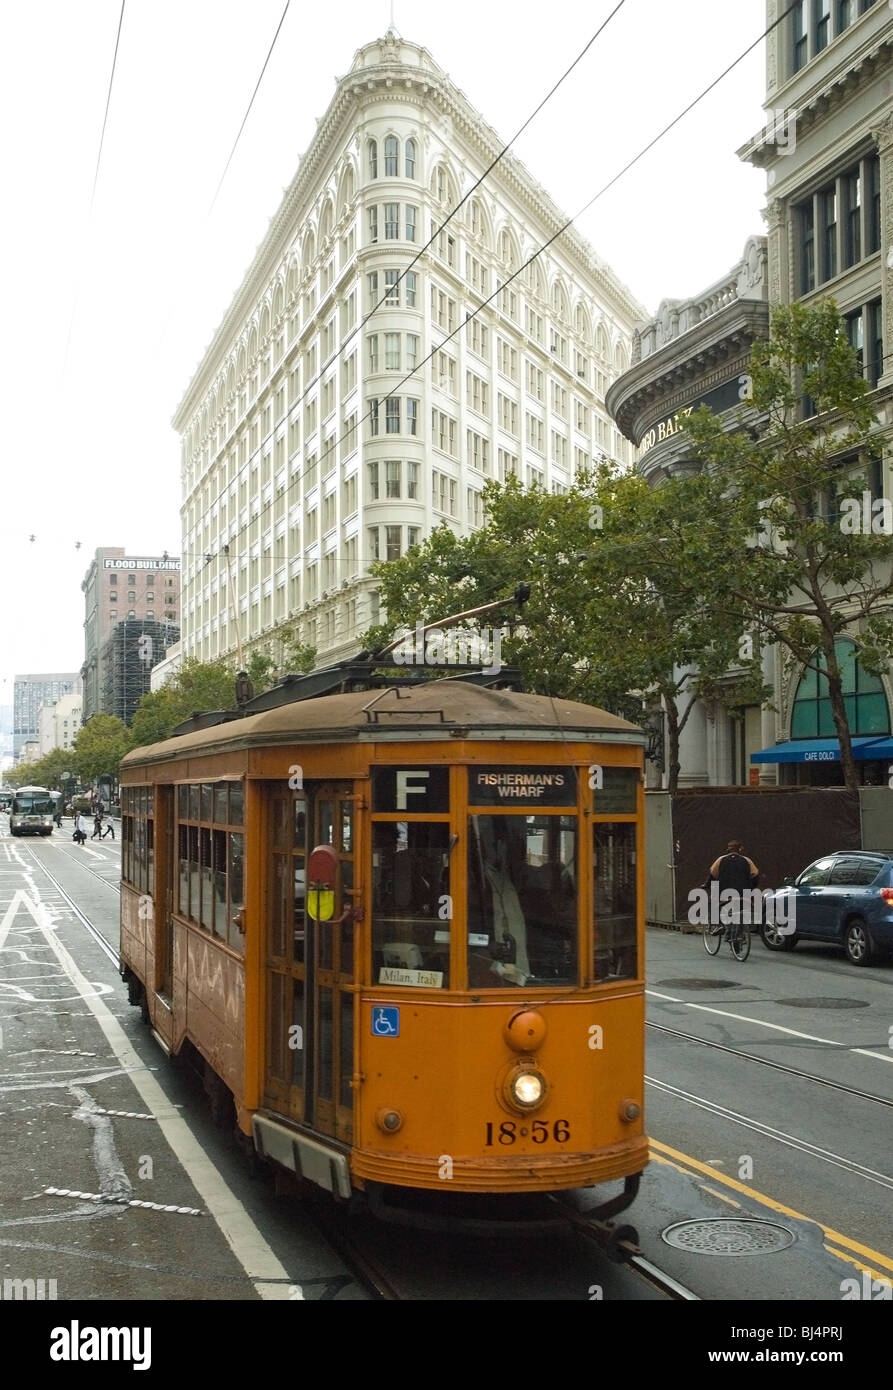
{"x":441,"y":708}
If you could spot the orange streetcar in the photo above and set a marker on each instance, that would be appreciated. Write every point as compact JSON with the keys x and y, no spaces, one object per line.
{"x":401,"y":922}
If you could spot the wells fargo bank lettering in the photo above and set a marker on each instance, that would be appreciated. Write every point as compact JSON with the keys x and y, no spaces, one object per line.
{"x":664,"y":429}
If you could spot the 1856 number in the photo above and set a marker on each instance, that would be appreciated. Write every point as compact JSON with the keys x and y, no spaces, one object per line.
{"x":540,"y":1131}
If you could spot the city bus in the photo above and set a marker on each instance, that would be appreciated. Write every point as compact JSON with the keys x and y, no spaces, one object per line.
{"x":33,"y":811}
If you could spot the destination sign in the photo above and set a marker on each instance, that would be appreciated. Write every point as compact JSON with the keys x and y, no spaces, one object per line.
{"x":522,"y":786}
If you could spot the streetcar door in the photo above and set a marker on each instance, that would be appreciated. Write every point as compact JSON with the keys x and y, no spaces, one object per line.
{"x":310,"y":959}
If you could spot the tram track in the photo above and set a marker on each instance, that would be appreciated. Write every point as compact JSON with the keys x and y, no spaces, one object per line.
{"x":775,"y":1066}
{"x":101,"y":940}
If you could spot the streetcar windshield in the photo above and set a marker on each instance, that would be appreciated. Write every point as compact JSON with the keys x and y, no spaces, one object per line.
{"x":522,"y":901}
{"x":410,"y":903}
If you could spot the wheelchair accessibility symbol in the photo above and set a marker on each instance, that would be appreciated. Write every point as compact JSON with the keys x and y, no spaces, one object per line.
{"x":385,"y":1022}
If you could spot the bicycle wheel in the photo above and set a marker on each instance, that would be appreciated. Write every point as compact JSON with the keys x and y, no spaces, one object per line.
{"x":712,"y":939}
{"x":739,"y":940}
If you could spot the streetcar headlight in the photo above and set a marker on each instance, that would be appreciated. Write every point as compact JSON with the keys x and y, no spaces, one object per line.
{"x":527,"y":1089}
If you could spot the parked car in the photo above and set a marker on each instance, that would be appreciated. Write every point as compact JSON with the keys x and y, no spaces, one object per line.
{"x":845,"y":898}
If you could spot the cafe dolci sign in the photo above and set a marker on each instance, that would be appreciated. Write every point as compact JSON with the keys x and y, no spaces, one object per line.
{"x":522,"y":786}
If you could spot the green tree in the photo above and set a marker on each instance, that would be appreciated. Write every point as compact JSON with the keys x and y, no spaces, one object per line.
{"x":99,"y":747}
{"x":198,"y":685}
{"x":623,"y":603}
{"x":819,"y":561}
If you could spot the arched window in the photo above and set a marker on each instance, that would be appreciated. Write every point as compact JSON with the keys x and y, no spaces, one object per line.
{"x":391,"y":155}
{"x":409,"y":158}
{"x":864,"y":698}
{"x":373,"y":159}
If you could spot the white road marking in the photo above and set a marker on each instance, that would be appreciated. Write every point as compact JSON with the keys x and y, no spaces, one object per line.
{"x":241,"y":1234}
{"x":776,"y":1027}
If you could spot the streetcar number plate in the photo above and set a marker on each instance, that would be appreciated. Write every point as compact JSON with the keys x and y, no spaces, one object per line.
{"x":508,"y":1132}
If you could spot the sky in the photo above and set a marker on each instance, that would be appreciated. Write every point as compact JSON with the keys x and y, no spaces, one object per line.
{"x":110,"y":296}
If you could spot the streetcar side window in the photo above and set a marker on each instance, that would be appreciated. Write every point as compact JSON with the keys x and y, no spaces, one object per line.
{"x":614,"y":903}
{"x":522,"y":901}
{"x":411,"y":903}
{"x":209,"y":859}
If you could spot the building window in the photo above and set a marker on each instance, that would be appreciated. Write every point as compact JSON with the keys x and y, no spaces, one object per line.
{"x":391,"y":151}
{"x":372,"y":341}
{"x":410,"y":213}
{"x":391,"y":287}
{"x":800,"y":27}
{"x":828,"y":204}
{"x":391,"y":221}
{"x":373,"y":417}
{"x":844,"y":242}
{"x":852,"y":185}
{"x":863,"y":694}
{"x":409,"y":158}
{"x":149,"y":597}
{"x":822,"y":24}
{"x":373,"y":159}
{"x":131,"y":597}
{"x":372,"y":534}
{"x":373,"y":482}
{"x":412,"y":481}
{"x":865,"y":336}
{"x":112,"y":613}
{"x":392,"y":351}
{"x":392,"y":478}
{"x":392,"y":415}
{"x":410,"y":285}
{"x":392,"y":542}
{"x":373,"y":224}
{"x":807,"y":248}
{"x":412,"y":351}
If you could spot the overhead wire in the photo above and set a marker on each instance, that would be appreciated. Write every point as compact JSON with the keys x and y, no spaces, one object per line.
{"x":249,"y":106}
{"x":108,"y":102}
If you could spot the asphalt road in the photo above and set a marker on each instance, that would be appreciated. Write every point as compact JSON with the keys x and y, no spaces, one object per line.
{"x":90,"y":1107}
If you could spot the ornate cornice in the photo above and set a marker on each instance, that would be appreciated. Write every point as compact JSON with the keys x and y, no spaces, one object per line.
{"x":763,"y":149}
{"x":700,"y":359}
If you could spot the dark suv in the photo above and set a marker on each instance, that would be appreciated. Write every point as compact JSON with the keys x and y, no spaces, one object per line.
{"x":846,"y":898}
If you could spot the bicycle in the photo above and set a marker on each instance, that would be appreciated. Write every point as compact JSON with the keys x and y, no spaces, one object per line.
{"x":736,"y":933}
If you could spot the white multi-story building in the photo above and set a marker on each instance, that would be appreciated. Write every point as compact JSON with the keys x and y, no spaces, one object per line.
{"x":315,"y":442}
{"x":58,"y":724}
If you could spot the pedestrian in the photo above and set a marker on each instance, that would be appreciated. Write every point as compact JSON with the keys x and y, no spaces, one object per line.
{"x":109,"y":830}
{"x":97,"y":826}
{"x":80,"y":829}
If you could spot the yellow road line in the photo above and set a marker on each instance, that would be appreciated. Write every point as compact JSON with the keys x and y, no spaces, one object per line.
{"x":851,"y":1260}
{"x":657,"y":1149}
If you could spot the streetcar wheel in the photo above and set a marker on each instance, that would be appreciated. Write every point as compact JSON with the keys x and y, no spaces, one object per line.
{"x":740,"y":942}
{"x":134,"y":990}
{"x":857,"y":942}
{"x":774,"y":940}
{"x":712,"y":939}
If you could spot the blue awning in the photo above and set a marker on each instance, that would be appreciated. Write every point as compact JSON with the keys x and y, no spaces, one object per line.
{"x":825,"y":750}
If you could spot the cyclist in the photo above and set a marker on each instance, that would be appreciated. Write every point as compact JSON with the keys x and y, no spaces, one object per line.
{"x":734,"y":870}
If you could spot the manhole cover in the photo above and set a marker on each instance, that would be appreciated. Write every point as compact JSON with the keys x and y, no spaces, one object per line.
{"x":701,"y":984}
{"x":728,"y":1235}
{"x":820,"y":1003}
